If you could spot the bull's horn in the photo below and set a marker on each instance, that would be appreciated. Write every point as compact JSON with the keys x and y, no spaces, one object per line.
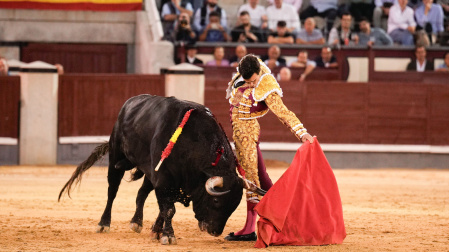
{"x":212,"y":183}
{"x":252,"y":187}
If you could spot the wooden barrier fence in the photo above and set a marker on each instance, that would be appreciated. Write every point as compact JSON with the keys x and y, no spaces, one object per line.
{"x":89,"y":104}
{"x":9,"y":106}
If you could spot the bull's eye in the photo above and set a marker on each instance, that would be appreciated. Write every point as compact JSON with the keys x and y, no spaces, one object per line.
{"x":215,"y":201}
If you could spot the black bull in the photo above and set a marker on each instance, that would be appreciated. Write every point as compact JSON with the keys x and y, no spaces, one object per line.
{"x":144,"y":127}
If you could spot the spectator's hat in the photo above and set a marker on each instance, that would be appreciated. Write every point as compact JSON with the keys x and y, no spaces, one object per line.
{"x":191,"y":46}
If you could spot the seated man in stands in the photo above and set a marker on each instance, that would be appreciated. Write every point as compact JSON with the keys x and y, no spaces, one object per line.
{"x":421,"y":64}
{"x":309,"y":35}
{"x":201,"y":18}
{"x":191,"y":51}
{"x":326,"y":59}
{"x":240,"y":51}
{"x":219,"y":59}
{"x":381,"y":13}
{"x":283,"y":11}
{"x":430,"y":18}
{"x":170,"y":12}
{"x":372,"y":36}
{"x":343,"y":35}
{"x":4,"y":68}
{"x":246,"y":32}
{"x":281,"y":35}
{"x":444,"y":67}
{"x":257,"y":13}
{"x":274,"y":59}
{"x":401,"y":23}
{"x":214,"y":31}
{"x":303,"y":61}
{"x":284,"y":74}
{"x":323,"y":8}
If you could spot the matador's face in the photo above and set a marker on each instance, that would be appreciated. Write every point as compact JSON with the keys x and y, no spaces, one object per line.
{"x":252,"y":82}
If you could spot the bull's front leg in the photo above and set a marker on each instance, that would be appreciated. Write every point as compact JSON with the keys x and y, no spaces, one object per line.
{"x":168,"y":234}
{"x":164,"y":220}
{"x":137,"y":220}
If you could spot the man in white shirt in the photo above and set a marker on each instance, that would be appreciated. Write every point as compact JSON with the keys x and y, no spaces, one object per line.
{"x":286,"y":12}
{"x":296,"y":3}
{"x":257,"y":13}
{"x":401,"y":23}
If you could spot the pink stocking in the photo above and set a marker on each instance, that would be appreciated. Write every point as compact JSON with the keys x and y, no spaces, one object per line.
{"x":251,"y":215}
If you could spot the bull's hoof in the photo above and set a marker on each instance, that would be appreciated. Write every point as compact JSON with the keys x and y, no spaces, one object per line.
{"x":165,"y":240}
{"x":155,"y":236}
{"x":102,"y":229}
{"x":135,"y":227}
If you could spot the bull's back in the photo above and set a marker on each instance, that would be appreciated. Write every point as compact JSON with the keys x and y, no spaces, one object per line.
{"x":146,"y":123}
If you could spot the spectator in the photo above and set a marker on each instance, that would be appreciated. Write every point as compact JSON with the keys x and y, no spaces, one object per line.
{"x":309,"y":35}
{"x":444,"y":67}
{"x":283,"y":11}
{"x":257,"y":13}
{"x":274,"y":59}
{"x":219,"y":59}
{"x":381,"y":13}
{"x":361,"y":8}
{"x":323,"y":8}
{"x":303,"y":61}
{"x":240,"y":51}
{"x":4,"y":68}
{"x":281,"y":35}
{"x":190,"y":57}
{"x":326,"y":59}
{"x":201,"y":18}
{"x":170,"y":12}
{"x":414,"y":4}
{"x":401,"y":23}
{"x":59,"y":68}
{"x":284,"y":74}
{"x":296,"y":3}
{"x":343,"y":35}
{"x":184,"y":31}
{"x":214,"y":31}
{"x":430,"y":17}
{"x":372,"y":36}
{"x":420,"y":64}
{"x":445,"y":5}
{"x":246,"y":32}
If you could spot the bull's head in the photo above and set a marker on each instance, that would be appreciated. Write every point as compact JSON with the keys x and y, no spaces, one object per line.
{"x":221,"y":203}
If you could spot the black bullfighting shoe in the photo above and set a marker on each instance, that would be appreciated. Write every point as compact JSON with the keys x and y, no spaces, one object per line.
{"x":247,"y":237}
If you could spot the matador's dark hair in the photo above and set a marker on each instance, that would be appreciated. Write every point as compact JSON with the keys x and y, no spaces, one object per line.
{"x":248,"y":66}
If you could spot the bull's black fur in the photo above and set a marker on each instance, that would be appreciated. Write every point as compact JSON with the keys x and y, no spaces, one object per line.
{"x":142,"y":131}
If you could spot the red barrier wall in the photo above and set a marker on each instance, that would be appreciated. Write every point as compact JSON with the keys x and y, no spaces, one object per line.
{"x":9,"y":106}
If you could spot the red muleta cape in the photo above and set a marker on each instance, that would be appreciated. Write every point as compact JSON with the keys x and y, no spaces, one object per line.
{"x":303,"y":207}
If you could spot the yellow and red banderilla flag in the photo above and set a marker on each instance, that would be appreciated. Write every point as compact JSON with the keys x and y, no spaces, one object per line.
{"x":173,"y":139}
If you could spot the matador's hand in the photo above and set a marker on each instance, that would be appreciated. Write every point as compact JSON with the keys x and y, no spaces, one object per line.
{"x":307,"y":137}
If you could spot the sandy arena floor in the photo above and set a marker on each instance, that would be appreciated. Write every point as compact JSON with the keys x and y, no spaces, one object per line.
{"x":384,"y":210}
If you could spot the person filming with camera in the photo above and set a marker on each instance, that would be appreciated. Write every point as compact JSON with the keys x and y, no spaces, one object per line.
{"x":183,"y":31}
{"x":214,"y":31}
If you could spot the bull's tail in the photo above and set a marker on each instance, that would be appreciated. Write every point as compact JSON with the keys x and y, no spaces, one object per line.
{"x":99,"y":152}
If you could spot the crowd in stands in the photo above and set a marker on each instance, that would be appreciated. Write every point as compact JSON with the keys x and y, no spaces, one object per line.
{"x":422,"y":23}
{"x":348,"y":22}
